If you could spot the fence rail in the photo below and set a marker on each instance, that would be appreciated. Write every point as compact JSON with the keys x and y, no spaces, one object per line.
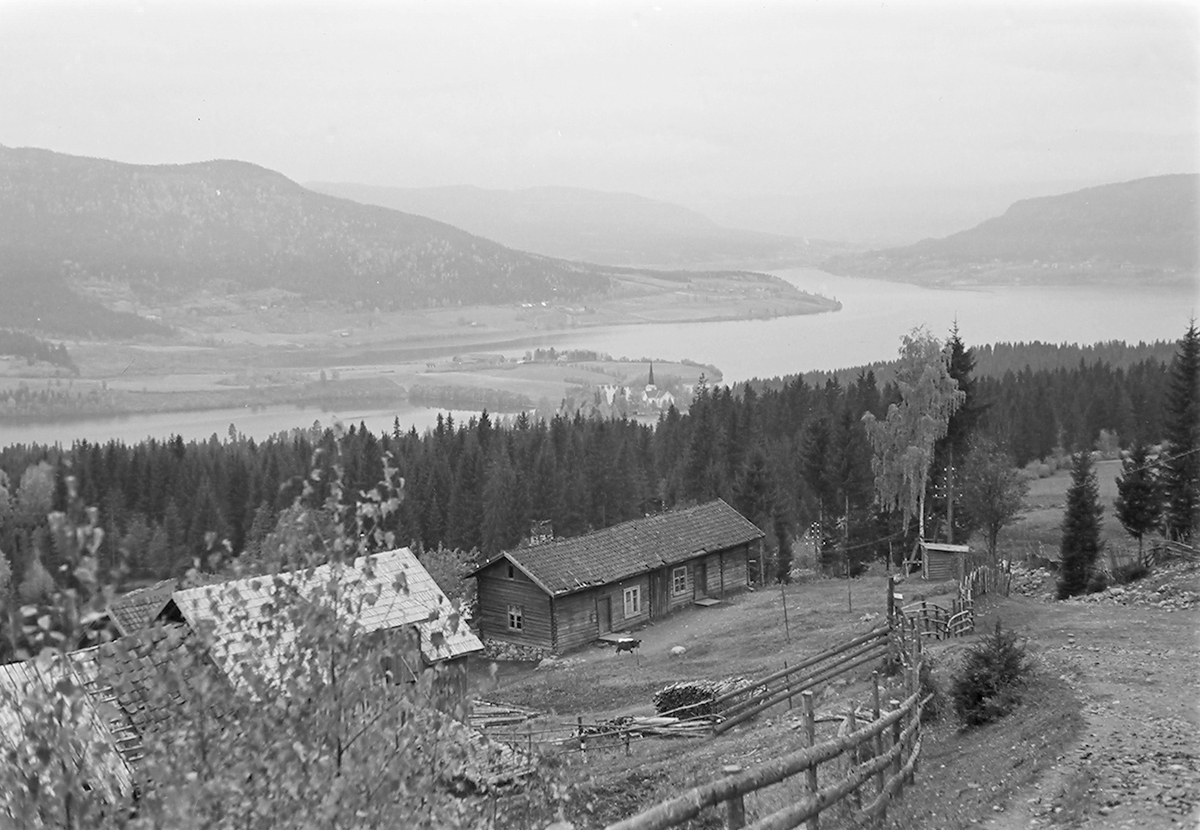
{"x":886,"y":748}
{"x":743,"y":703}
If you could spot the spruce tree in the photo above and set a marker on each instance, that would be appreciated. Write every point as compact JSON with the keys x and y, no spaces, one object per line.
{"x":1139,"y":499}
{"x":1181,"y":467}
{"x":1080,"y":528}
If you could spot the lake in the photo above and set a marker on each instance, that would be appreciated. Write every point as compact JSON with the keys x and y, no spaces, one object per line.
{"x":259,"y":423}
{"x":874,"y":314}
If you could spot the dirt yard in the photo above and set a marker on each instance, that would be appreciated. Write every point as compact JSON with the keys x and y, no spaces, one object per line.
{"x":1108,"y":735}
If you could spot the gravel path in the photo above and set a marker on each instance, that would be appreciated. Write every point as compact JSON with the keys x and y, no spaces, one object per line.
{"x":1137,"y":763}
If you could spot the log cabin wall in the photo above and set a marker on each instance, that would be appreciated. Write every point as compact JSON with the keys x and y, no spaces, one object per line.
{"x":734,"y":570}
{"x":680,"y":589}
{"x":497,"y":591}
{"x":614,"y":592}
{"x":574,"y":620}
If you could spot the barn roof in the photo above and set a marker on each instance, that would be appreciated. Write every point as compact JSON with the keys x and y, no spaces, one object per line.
{"x":22,"y":685}
{"x":149,"y":675}
{"x":384,"y":591}
{"x":635,"y":547}
{"x":134,"y":611}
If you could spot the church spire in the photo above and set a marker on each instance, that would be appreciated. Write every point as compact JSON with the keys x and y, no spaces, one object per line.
{"x":651,"y":381}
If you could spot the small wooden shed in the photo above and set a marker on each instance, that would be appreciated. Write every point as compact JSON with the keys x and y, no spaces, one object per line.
{"x":940,"y":560}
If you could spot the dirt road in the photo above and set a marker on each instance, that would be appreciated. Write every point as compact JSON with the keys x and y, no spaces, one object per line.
{"x":1136,"y":763}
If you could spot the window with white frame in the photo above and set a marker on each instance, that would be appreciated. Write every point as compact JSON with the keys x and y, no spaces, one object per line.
{"x":633,"y":601}
{"x":516,"y":617}
{"x":679,"y":580}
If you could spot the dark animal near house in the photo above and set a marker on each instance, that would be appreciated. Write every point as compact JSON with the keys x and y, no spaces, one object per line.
{"x":628,"y":645}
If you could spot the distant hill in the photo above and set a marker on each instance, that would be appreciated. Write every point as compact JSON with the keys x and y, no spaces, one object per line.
{"x":233,"y":226}
{"x":592,"y":226}
{"x":1143,"y":231}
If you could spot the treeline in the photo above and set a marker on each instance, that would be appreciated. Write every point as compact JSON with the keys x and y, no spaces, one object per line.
{"x":993,"y":360}
{"x":34,"y":349}
{"x":792,"y":457}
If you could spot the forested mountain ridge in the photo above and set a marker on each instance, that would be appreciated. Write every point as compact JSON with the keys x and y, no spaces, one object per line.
{"x":235,"y":226}
{"x":1145,"y":231}
{"x":620,"y":229}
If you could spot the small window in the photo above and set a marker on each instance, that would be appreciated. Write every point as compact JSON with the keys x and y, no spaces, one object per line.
{"x":512,"y":572}
{"x":633,"y":601}
{"x":679,"y":580}
{"x":516,"y":617}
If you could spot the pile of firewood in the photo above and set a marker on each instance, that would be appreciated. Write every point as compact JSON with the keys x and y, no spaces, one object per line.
{"x":694,"y":698}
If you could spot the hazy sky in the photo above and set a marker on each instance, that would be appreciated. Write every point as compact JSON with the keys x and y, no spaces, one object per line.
{"x":685,"y":101}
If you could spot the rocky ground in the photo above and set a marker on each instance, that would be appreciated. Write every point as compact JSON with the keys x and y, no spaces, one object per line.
{"x":1131,"y":655}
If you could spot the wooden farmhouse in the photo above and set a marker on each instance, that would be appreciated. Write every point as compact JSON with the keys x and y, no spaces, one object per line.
{"x":392,"y":597}
{"x":943,"y":561}
{"x":560,"y":594}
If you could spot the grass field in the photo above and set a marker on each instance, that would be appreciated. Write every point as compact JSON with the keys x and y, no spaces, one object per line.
{"x":1038,"y":531}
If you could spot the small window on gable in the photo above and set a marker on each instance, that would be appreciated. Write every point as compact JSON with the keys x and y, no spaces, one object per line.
{"x":516,"y":617}
{"x":679,"y":580}
{"x":512,"y":572}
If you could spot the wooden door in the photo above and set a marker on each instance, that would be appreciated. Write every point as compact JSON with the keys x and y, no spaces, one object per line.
{"x":604,"y":615}
{"x":658,"y":595}
{"x":700,"y":583}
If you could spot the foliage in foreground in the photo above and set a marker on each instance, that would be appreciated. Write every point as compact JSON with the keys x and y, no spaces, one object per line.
{"x":989,"y":684}
{"x":307,"y":729}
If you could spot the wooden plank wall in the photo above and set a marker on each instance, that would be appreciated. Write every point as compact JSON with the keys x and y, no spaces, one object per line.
{"x":733,"y":565}
{"x":497,"y":592}
{"x":942,"y":565}
{"x":685,"y":597}
{"x":575,"y":621}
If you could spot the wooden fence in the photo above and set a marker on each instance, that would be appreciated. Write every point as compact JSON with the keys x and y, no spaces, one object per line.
{"x":744,"y":702}
{"x":882,"y":755}
{"x":932,"y":620}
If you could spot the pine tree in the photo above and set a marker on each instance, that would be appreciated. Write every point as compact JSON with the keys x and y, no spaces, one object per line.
{"x":783,"y":561}
{"x":1181,"y":467}
{"x":950,"y":452}
{"x":1139,"y":497}
{"x":1080,"y":528}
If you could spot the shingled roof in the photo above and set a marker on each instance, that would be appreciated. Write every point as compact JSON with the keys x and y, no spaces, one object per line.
{"x":565,"y":566}
{"x":134,"y":611}
{"x":21,"y":684}
{"x":403,"y":592}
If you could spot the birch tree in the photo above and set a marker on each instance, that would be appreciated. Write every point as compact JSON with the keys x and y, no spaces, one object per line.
{"x":903,"y":442}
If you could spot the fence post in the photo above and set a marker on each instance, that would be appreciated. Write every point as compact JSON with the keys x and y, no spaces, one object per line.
{"x":582,"y":739}
{"x":879,"y":779}
{"x":788,"y":680}
{"x":810,"y":732}
{"x":787,"y":632}
{"x":899,"y":760}
{"x":856,"y":753}
{"x":529,"y":745}
{"x":626,"y":743}
{"x":735,"y":816}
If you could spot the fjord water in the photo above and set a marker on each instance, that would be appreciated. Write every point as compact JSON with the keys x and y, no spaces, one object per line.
{"x":868,"y":328}
{"x":876,"y":313}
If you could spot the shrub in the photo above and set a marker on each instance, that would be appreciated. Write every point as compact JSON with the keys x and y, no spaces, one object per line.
{"x":989,"y":684}
{"x":1097,"y":582}
{"x":1131,"y":572}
